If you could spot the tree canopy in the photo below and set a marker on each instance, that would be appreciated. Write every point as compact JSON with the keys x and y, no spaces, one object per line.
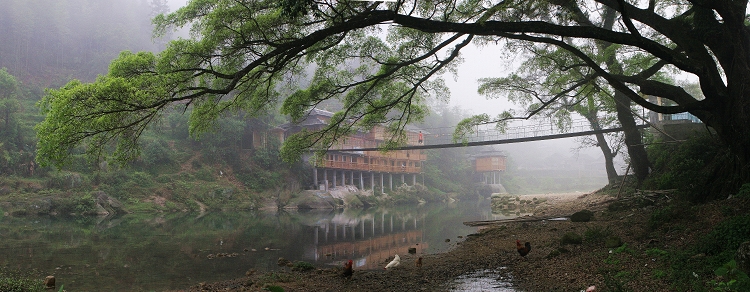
{"x":383,"y":59}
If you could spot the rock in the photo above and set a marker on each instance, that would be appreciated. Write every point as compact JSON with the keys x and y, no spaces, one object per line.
{"x":612,"y":242}
{"x":109,"y":204}
{"x":313,"y":200}
{"x":742,"y":257}
{"x":49,"y":282}
{"x":582,"y":216}
{"x":284,"y":262}
{"x":571,"y":238}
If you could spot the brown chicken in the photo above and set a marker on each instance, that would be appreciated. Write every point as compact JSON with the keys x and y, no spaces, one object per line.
{"x":419,"y":262}
{"x":523,"y":250}
{"x":348,"y":271}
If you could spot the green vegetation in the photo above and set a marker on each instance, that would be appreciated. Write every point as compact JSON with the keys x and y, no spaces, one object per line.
{"x":17,"y":281}
{"x":691,"y":167}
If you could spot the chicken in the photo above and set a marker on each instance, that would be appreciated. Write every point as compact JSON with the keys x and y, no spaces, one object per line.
{"x":396,"y":260}
{"x":523,"y":250}
{"x":419,"y":262}
{"x":348,"y":271}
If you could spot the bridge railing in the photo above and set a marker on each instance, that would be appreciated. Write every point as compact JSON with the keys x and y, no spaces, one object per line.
{"x":488,"y":133}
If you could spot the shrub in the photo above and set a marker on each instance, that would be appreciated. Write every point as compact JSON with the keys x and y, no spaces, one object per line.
{"x":596,"y":234}
{"x":697,"y":168}
{"x":669,"y":213}
{"x":156,"y":152}
{"x":205,"y":174}
{"x":302,"y":266}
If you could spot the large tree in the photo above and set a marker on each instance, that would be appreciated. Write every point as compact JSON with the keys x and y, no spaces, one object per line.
{"x":248,"y":51}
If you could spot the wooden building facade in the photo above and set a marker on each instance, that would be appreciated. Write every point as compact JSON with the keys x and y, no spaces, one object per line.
{"x":345,"y":165}
{"x":489,"y":165}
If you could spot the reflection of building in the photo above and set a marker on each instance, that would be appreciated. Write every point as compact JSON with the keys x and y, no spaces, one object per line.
{"x":363,"y":168}
{"x":369,"y":242}
{"x":489,"y":164}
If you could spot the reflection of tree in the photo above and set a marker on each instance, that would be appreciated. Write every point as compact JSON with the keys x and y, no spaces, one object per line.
{"x":143,"y":252}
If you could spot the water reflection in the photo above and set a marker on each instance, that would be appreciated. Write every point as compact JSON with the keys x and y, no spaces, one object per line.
{"x":369,"y":239}
{"x":140,"y":252}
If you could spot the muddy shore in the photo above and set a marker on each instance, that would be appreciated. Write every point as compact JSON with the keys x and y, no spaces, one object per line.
{"x":551,"y":265}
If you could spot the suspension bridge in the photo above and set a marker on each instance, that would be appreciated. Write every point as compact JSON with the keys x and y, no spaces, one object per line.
{"x":517,"y":134}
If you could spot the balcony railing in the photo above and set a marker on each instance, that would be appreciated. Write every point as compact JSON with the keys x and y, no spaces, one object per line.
{"x":369,"y":167}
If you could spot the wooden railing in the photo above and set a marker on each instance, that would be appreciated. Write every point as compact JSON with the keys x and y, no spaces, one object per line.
{"x":369,"y":167}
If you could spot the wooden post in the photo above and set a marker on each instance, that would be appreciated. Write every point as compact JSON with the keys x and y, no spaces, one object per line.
{"x":623,"y":181}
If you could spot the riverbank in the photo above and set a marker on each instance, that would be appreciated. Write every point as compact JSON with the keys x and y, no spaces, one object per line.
{"x":640,"y":261}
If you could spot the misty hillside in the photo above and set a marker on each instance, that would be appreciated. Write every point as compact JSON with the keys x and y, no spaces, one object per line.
{"x":50,"y":42}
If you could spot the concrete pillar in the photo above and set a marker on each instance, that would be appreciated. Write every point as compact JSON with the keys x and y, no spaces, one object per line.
{"x":334,"y":178}
{"x":328,"y":231}
{"x":325,"y":178}
{"x":351,"y":177}
{"x":402,"y":179}
{"x":372,"y":182}
{"x":343,"y":177}
{"x":382,"y":223}
{"x":382,"y":186}
{"x":414,"y":179}
{"x":316,"y":185}
{"x":390,"y":181}
{"x":361,"y":182}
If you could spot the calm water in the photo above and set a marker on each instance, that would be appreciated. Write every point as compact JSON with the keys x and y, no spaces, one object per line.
{"x":140,"y":252}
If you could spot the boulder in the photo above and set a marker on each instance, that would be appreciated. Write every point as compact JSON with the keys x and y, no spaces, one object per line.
{"x":108,"y":204}
{"x":49,"y":282}
{"x":284,"y":262}
{"x":582,"y":216}
{"x":312,"y":200}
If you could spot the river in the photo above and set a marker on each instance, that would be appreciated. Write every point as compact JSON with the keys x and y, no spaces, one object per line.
{"x":147,"y":252}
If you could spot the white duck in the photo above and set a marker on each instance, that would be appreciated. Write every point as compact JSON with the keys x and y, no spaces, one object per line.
{"x":396,"y":260}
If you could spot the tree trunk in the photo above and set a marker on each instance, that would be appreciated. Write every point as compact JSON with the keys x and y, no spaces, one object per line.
{"x":609,"y":157}
{"x":633,"y":142}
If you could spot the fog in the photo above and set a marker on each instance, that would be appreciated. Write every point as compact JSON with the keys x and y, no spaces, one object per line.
{"x":560,"y":154}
